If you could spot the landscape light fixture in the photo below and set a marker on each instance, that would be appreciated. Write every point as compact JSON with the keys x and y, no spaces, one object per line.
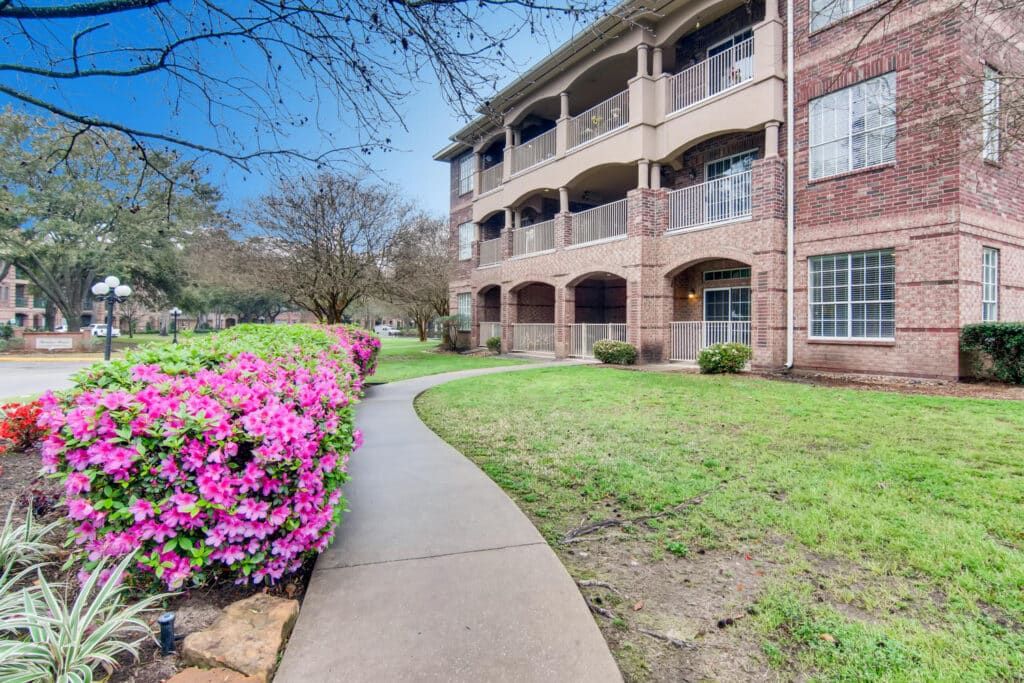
{"x":175,"y":312}
{"x":112,"y":291}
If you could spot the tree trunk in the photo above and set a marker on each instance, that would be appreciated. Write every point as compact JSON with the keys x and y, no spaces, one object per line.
{"x":421,"y":327}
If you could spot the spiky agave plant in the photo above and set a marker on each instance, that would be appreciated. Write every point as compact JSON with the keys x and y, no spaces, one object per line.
{"x":67,"y":643}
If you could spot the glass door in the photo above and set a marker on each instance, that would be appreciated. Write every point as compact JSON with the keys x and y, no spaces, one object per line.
{"x":729,"y":65}
{"x":726,"y":315}
{"x":729,"y":197}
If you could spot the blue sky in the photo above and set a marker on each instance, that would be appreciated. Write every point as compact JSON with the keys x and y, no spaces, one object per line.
{"x":148,"y":104}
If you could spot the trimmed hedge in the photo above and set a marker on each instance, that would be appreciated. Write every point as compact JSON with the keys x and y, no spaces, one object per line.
{"x":494,"y":344}
{"x":724,"y":358}
{"x":615,"y":352}
{"x":1002,"y":343}
{"x":219,"y":458}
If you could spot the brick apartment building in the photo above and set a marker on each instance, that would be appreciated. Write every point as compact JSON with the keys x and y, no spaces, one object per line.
{"x":634,"y":186}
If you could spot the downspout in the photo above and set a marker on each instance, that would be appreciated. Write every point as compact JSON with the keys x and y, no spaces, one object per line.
{"x":790,"y":182}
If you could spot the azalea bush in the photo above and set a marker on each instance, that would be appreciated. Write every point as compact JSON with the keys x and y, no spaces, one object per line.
{"x":615,"y":352}
{"x":220,"y":458}
{"x":18,"y":428}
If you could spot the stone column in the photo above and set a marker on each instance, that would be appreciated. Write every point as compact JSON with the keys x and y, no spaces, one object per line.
{"x":508,"y":314}
{"x":641,"y":60}
{"x":562,"y":329}
{"x":563,"y":200}
{"x":658,"y":68}
{"x":562,"y":125}
{"x":771,"y":139}
{"x":655,"y":176}
{"x":563,"y":101}
{"x":643,"y":173}
{"x":506,"y":236}
{"x":506,"y":168}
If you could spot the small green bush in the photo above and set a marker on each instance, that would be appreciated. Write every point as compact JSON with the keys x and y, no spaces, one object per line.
{"x":1003,"y":343}
{"x":615,"y":352}
{"x":494,"y":344}
{"x":722,"y":358}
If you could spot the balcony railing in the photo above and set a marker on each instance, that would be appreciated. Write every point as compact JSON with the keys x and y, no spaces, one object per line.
{"x":599,"y":223}
{"x":600,"y":119}
{"x":532,"y":152}
{"x":490,"y":252}
{"x":490,"y":177}
{"x":533,"y":337}
{"x":21,"y":301}
{"x":716,"y":201}
{"x":488,"y":330}
{"x":533,"y":238}
{"x":691,"y":337}
{"x":710,"y":77}
{"x":585,"y":335}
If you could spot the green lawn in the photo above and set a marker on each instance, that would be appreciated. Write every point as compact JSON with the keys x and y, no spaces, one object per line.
{"x":405,"y":358}
{"x":887,"y":528}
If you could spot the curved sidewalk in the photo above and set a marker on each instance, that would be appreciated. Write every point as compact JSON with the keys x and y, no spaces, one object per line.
{"x":435,"y":574}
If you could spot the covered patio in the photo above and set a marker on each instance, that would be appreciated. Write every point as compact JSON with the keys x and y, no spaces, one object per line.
{"x":711,"y":304}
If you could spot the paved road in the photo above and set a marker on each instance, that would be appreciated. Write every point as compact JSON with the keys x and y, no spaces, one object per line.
{"x":435,"y":574}
{"x":22,"y":378}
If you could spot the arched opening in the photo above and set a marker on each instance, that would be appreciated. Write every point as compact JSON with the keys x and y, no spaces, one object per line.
{"x":488,"y":308}
{"x":533,"y":314}
{"x":599,"y":312}
{"x":597,"y":202}
{"x":711,"y":304}
{"x":533,"y":217}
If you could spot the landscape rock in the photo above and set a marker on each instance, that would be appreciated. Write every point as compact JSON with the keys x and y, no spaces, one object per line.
{"x":194,"y":675}
{"x":246,"y":637}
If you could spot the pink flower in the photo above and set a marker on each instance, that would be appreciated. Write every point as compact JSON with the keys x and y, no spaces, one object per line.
{"x":142,"y":509}
{"x":79,"y":508}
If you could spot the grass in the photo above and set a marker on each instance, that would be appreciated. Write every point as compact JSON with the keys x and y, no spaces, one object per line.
{"x":405,"y":358}
{"x":895,"y":520}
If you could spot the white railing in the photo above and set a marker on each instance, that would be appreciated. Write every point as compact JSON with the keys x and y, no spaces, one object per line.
{"x":490,"y":252}
{"x":532,"y":152}
{"x":488,"y":330}
{"x":533,"y":238}
{"x":490,"y":177}
{"x":716,"y":201}
{"x":600,"y":119}
{"x":584,"y":335}
{"x":710,"y":77}
{"x":601,"y":222}
{"x":533,"y":337}
{"x":691,"y":337}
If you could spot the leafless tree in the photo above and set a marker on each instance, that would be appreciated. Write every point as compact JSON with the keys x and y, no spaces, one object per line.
{"x":331,"y":236}
{"x":260,"y":71}
{"x":420,"y":270}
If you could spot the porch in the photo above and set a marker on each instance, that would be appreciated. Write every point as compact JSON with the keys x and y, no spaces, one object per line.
{"x":711,"y":304}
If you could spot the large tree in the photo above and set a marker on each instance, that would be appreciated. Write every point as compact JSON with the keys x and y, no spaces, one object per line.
{"x":327,"y":239}
{"x":77,"y":206}
{"x":270,"y":68}
{"x":419,"y":271}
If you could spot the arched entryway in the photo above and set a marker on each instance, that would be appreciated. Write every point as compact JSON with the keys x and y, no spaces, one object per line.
{"x":711,"y":304}
{"x":532,"y":312}
{"x":488,"y":309}
{"x":598,"y":303}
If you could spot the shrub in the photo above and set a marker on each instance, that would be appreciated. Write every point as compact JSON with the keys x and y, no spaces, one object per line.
{"x":721,"y":358}
{"x":615,"y":352}
{"x":1002,"y":343}
{"x":494,"y":344}
{"x":219,"y":458}
{"x":18,"y":428}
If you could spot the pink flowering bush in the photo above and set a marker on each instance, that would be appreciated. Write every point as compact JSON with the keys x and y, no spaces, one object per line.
{"x":220,"y":458}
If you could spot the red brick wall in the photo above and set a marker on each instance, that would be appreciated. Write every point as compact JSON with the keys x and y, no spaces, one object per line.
{"x":692,"y":164}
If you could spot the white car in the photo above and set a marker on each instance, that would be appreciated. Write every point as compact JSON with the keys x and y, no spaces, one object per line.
{"x":100,"y":330}
{"x":386,"y":331}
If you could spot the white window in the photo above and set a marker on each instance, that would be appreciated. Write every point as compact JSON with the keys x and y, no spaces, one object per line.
{"x":854,"y":127}
{"x":467,"y":165}
{"x":989,"y":284}
{"x":466,"y":241}
{"x":853,"y":296}
{"x":825,"y":12}
{"x":465,"y":302}
{"x":990,"y":125}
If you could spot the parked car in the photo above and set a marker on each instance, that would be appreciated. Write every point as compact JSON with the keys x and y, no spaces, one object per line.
{"x":100,"y":330}
{"x":386,"y":331}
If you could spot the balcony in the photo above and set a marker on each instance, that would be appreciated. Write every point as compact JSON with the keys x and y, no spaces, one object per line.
{"x":490,"y":252}
{"x":21,"y":301}
{"x":533,"y":239}
{"x":599,"y":120}
{"x":490,"y":177}
{"x":600,"y":223}
{"x":721,"y":200}
{"x":714,"y":75}
{"x":534,"y":151}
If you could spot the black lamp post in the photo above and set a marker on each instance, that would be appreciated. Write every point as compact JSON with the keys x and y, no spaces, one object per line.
{"x":175,"y":312}
{"x":112,"y":291}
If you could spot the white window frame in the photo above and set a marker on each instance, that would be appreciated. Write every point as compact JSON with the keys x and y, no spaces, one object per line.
{"x":467,"y":169}
{"x":849,"y":301}
{"x":991,"y":126}
{"x":989,"y":284}
{"x":467,"y":235}
{"x":816,"y":117}
{"x":464,"y":306}
{"x":840,"y":9}
{"x":731,"y":158}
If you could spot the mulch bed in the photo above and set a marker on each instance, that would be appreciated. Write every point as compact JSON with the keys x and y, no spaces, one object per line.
{"x":195,"y":610}
{"x":904,"y":385}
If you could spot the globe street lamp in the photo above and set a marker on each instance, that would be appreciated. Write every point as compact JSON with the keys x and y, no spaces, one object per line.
{"x":112,"y":291}
{"x":175,"y":312}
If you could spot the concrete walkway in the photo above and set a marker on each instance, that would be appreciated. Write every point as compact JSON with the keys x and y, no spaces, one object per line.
{"x":435,"y":574}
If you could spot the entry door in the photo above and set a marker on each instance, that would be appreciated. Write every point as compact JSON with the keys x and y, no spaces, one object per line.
{"x":724,"y":308}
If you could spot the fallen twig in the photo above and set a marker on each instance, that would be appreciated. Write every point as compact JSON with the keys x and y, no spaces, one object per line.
{"x":591,"y":583}
{"x":596,"y":609}
{"x":573,"y":534}
{"x":664,"y":638}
